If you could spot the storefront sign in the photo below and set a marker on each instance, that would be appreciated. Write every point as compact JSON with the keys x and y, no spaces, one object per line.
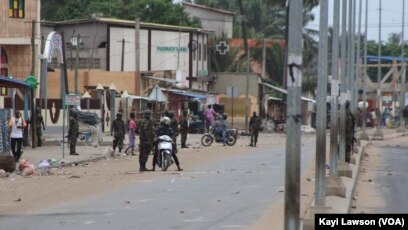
{"x":168,"y":49}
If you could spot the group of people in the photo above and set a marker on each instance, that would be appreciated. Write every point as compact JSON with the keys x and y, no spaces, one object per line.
{"x":148,"y":135}
{"x":220,"y":124}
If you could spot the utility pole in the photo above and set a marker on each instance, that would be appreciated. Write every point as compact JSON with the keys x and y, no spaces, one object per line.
{"x":33,"y":113}
{"x":294,"y":86}
{"x":378,"y":135}
{"x":320,"y":197}
{"x":122,"y":61}
{"x":138,"y":79}
{"x":78,"y":39}
{"x":245,"y":40}
{"x":264,"y":58}
{"x":363,"y":135}
{"x":342,"y":137}
{"x":334,"y":132}
{"x":403,"y":77}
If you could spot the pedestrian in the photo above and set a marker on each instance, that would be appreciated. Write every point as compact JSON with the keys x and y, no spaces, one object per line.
{"x":118,"y":131}
{"x":405,"y":115}
{"x":174,"y":125}
{"x":350,"y":122}
{"x":146,"y":139}
{"x":73,"y":133}
{"x":209,"y":116}
{"x":254,"y":127}
{"x":131,"y":133}
{"x":184,"y":129}
{"x":39,"y":126}
{"x":16,"y":127}
{"x":164,"y":128}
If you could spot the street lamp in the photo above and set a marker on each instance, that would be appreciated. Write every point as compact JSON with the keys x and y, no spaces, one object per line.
{"x":125,"y":96}
{"x":99,"y":91}
{"x":87,"y":96}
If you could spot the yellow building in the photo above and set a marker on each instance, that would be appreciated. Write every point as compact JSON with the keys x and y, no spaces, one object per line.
{"x":17,"y":18}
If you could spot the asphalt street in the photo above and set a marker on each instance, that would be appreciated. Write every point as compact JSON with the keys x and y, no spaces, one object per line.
{"x":228,"y":194}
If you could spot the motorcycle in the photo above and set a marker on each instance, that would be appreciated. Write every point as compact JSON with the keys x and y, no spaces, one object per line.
{"x":212,"y":135}
{"x":165,"y":148}
{"x":279,"y":126}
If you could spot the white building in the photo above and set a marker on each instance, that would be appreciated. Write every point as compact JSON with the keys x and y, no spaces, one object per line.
{"x":220,"y":21}
{"x":104,"y":41}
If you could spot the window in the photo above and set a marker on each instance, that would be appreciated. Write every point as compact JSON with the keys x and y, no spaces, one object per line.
{"x":199,"y":51}
{"x":16,"y":8}
{"x":205,"y":52}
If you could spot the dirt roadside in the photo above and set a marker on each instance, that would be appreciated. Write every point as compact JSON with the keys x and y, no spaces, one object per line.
{"x":27,"y":194}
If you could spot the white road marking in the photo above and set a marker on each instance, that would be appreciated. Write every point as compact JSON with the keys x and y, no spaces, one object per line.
{"x":89,"y":222}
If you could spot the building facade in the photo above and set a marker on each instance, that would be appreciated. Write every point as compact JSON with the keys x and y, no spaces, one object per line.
{"x":220,"y":21}
{"x":18,"y":19}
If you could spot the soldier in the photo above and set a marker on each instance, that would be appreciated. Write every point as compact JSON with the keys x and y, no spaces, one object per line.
{"x":118,"y":128}
{"x":38,"y":124}
{"x":349,"y":131}
{"x":174,"y":126}
{"x":254,"y":127}
{"x":184,"y":129}
{"x":73,"y":133}
{"x":145,"y":140}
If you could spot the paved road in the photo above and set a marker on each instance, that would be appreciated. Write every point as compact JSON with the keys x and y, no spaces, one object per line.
{"x":386,"y":174}
{"x":229,"y":194}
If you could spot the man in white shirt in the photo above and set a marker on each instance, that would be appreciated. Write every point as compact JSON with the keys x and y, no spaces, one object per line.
{"x":16,"y":129}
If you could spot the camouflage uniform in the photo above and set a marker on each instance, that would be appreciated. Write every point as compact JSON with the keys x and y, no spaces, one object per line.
{"x":174,"y":126}
{"x":118,"y":127}
{"x":254,"y":127}
{"x":145,"y":140}
{"x":349,"y":132}
{"x":184,"y":130}
{"x":73,"y":134}
{"x":38,"y":124}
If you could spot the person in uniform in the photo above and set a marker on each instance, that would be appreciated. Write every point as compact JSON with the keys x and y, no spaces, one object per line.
{"x":164,"y":128}
{"x":184,"y":129}
{"x":73,"y":132}
{"x":118,"y":129}
{"x":254,"y":127}
{"x":146,"y":139}
{"x":174,"y":125}
{"x":39,"y":126}
{"x":349,"y":131}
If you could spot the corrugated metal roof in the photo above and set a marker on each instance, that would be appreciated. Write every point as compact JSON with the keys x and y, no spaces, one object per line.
{"x":208,"y":8}
{"x":130,"y":23}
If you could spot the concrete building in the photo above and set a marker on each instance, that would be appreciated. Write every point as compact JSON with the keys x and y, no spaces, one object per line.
{"x":221,"y":21}
{"x":109,"y":45}
{"x":17,"y":18}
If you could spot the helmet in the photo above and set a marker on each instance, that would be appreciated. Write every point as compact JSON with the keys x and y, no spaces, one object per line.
{"x":147,"y":113}
{"x":119,"y":114}
{"x":224,"y":116}
{"x":165,"y":121}
{"x":171,"y":114}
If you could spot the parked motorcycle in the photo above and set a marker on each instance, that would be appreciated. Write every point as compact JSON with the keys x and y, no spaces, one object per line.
{"x":165,"y":148}
{"x":212,"y":135}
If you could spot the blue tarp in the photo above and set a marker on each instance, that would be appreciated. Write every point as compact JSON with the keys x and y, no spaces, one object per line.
{"x":372,"y":58}
{"x":190,"y":94}
{"x":12,"y":83}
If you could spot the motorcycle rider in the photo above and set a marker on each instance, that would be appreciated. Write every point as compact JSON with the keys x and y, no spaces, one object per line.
{"x":164,"y":129}
{"x":174,"y":125}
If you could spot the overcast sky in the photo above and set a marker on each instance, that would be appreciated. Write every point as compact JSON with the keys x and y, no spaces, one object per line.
{"x":391,"y":18}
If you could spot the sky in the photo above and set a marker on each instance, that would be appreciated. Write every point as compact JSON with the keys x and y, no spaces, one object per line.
{"x":391,"y":18}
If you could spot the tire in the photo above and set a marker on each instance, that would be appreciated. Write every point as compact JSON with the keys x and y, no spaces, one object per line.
{"x":231,"y":140}
{"x":163,"y":161}
{"x":166,"y":162}
{"x":207,"y":140}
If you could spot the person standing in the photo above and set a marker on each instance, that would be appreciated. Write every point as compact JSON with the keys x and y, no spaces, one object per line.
{"x":175,"y":127}
{"x":39,"y":126}
{"x":350,"y":122}
{"x":118,"y":129}
{"x":184,"y":129}
{"x":73,"y":133}
{"x":209,"y":116}
{"x":16,"y":127}
{"x":131,"y":133}
{"x":254,"y":127}
{"x":146,"y":140}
